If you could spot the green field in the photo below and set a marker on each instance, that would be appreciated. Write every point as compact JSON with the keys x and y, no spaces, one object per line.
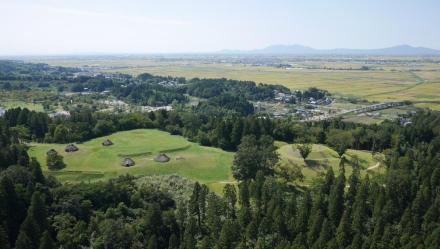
{"x":211,"y":166}
{"x":323,"y":157}
{"x":96,"y":162}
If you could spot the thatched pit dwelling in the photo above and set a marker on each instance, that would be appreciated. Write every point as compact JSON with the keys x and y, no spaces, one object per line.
{"x":71,"y":148}
{"x":162,"y":158}
{"x":107,"y":142}
{"x":128,"y":162}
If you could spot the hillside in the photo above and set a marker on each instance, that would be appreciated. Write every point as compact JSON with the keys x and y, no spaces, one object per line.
{"x":96,"y":162}
{"x":304,"y":50}
{"x":323,"y":157}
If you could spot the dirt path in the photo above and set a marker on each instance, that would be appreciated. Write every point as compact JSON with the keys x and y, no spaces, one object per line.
{"x":374,"y":166}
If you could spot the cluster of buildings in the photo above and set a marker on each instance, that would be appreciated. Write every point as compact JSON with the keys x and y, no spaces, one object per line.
{"x":405,"y":121}
{"x":156,"y":108}
{"x":168,"y":83}
{"x":60,"y":114}
{"x":324,"y":101}
{"x":284,"y":97}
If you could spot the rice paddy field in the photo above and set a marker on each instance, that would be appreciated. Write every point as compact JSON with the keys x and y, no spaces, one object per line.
{"x":94,"y":162}
{"x":323,"y":157}
{"x":396,"y":79}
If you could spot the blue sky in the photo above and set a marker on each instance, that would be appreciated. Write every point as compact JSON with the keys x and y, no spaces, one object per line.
{"x":144,"y":26}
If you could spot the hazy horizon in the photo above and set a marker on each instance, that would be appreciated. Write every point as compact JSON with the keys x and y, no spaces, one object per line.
{"x":51,"y":27}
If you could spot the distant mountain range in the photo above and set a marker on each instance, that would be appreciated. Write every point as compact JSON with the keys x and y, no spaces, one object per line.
{"x":304,"y":50}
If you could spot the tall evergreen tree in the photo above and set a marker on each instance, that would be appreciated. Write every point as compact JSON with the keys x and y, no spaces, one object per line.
{"x":230,"y":195}
{"x":11,"y":212}
{"x":315,"y":227}
{"x":353,"y":185}
{"x":228,"y":236}
{"x":360,"y":209}
{"x":38,"y":211}
{"x":173,"y":242}
{"x":344,"y":232}
{"x":303,"y":214}
{"x":4,"y":240}
{"x":325,"y":235}
{"x":244,"y":199}
{"x":328,"y":181}
{"x":37,"y":173}
{"x":152,"y":242}
{"x":23,"y":242}
{"x":336,"y":200}
{"x":189,"y":237}
{"x":46,"y":241}
{"x":214,"y":215}
{"x":193,"y":206}
{"x":30,"y":233}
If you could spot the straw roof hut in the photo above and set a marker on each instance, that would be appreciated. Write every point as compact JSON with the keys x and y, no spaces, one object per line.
{"x":71,"y":148}
{"x":127,"y":162}
{"x":107,"y":142}
{"x":162,"y":158}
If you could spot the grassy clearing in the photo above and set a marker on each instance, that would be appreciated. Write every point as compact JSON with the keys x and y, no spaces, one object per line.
{"x":323,"y":157}
{"x":16,"y":103}
{"x":96,"y":162}
{"x":211,"y":166}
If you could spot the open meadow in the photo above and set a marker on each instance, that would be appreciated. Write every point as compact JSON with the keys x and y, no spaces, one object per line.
{"x":323,"y":157}
{"x":211,"y":166}
{"x":94,"y":162}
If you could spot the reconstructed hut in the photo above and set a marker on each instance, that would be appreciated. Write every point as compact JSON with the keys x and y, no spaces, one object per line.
{"x":127,"y":162}
{"x":71,"y":148}
{"x":107,"y":142}
{"x":162,"y":158}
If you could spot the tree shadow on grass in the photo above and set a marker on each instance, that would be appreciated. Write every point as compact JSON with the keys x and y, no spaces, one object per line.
{"x":315,"y":164}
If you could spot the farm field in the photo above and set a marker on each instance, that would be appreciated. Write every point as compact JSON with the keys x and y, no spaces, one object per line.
{"x":396,"y":82}
{"x":323,"y":157}
{"x":94,"y":162}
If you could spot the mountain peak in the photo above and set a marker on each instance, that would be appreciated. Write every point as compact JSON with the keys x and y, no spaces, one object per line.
{"x":297,"y":49}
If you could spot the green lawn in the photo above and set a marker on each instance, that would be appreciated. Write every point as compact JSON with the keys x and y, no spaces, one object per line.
{"x":95,"y":162}
{"x":211,"y":166}
{"x":323,"y":157}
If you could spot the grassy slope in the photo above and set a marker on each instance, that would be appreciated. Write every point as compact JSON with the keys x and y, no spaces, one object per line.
{"x":96,"y":162}
{"x":322,"y":157}
{"x":211,"y":166}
